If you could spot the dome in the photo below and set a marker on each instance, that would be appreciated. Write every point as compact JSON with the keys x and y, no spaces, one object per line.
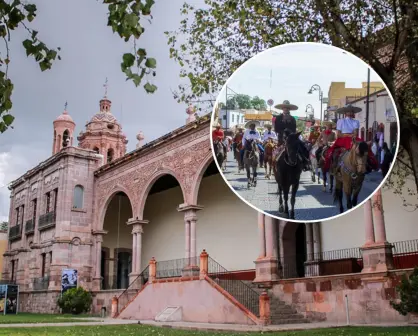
{"x":65,"y":117}
{"x":103,"y":116}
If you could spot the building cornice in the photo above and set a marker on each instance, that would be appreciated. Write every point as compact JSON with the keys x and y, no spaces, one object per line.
{"x":188,"y":128}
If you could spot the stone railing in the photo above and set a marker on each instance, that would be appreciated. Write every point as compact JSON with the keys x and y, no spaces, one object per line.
{"x":30,"y":226}
{"x":46,"y":221}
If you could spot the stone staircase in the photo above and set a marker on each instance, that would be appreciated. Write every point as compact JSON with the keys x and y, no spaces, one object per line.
{"x":280,"y":312}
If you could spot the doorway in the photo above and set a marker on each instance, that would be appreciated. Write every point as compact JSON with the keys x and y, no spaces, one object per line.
{"x":124,"y":269}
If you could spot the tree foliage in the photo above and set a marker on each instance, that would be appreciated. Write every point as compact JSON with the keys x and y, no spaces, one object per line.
{"x":124,"y":17}
{"x":408,"y":294}
{"x":75,"y":301}
{"x":226,"y":33}
{"x":243,"y":101}
{"x":4,"y":225}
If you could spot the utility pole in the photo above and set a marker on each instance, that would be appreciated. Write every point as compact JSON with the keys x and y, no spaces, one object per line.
{"x":367,"y":103}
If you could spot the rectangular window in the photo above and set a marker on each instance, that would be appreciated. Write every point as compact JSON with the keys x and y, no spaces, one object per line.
{"x":34,"y":206}
{"x":17,"y":212}
{"x":50,"y":262}
{"x":43,"y":265}
{"x":22,"y":215}
{"x":48,"y":202}
{"x":14,"y":270}
{"x":55,"y":200}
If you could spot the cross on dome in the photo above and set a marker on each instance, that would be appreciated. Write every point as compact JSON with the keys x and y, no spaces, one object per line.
{"x":105,"y":85}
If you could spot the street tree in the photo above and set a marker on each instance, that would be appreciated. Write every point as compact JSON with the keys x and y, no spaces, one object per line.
{"x":258,"y":103}
{"x":226,"y":33}
{"x":124,"y":17}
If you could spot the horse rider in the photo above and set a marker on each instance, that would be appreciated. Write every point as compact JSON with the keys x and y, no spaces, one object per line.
{"x":285,"y":123}
{"x":325,"y":139}
{"x":314,"y":134}
{"x":237,"y":142}
{"x":269,"y":134}
{"x":218,"y":135}
{"x":269,"y":147}
{"x":347,"y":129}
{"x":248,"y":135}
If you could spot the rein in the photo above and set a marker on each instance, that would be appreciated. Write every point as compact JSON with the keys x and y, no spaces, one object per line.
{"x":347,"y":170}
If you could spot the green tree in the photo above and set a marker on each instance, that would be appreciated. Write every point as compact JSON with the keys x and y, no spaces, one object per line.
{"x":4,"y":225}
{"x":259,"y":104}
{"x":226,"y":33}
{"x":124,"y":17}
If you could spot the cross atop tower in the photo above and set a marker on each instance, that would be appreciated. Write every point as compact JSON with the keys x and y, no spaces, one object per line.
{"x":105,"y":85}
{"x":65,"y":106}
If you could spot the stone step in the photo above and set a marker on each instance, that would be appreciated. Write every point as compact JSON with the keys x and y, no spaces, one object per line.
{"x":290,"y":321}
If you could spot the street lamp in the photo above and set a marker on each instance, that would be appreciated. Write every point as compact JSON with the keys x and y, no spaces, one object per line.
{"x":227,"y":95}
{"x":316,"y":87}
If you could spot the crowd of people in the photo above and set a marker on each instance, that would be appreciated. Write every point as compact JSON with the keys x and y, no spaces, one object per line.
{"x":269,"y":142}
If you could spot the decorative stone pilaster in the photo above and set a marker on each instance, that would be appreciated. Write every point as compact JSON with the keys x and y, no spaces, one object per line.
{"x":266,"y":265}
{"x":152,"y":270}
{"x":137,"y":231}
{"x":204,"y":264}
{"x":190,"y":220}
{"x":377,"y":255}
{"x":264,"y":305}
{"x":97,"y":280}
{"x":114,"y":307}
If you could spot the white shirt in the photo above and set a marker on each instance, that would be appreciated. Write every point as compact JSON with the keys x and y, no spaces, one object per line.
{"x":267,"y":136}
{"x":374,"y":148}
{"x":347,"y":125}
{"x":248,"y":136}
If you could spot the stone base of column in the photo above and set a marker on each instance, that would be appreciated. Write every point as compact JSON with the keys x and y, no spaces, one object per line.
{"x":266,"y":270}
{"x":135,"y":281}
{"x":191,"y":270}
{"x":311,"y":269}
{"x":96,"y":285}
{"x":377,"y":258}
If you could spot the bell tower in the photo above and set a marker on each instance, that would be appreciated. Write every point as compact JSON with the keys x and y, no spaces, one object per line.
{"x":63,"y":131}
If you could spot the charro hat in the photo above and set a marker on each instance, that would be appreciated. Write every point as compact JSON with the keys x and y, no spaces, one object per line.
{"x":349,"y":109}
{"x":286,"y":104}
{"x":268,"y":125}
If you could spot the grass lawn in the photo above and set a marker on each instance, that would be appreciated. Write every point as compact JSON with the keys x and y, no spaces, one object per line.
{"x":140,"y":330}
{"x":40,"y":318}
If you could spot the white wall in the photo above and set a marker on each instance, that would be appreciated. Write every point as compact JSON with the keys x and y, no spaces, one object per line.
{"x":226,"y":227}
{"x":348,"y":230}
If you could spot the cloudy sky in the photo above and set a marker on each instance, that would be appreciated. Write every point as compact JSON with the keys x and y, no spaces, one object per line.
{"x":90,"y":53}
{"x":294,"y":68}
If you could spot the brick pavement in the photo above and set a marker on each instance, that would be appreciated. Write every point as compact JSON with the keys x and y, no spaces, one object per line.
{"x":311,"y":202}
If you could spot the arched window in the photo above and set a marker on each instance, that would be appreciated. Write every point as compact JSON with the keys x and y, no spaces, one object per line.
{"x":78,"y":197}
{"x":66,"y":139}
{"x":110,"y":155}
{"x":96,"y":150}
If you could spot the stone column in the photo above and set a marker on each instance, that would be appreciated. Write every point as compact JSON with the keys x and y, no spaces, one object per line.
{"x":264,"y":306}
{"x":309,"y":242}
{"x":368,"y":223}
{"x":266,"y":266}
{"x":97,"y":280}
{"x":261,"y":235}
{"x":316,"y":240}
{"x":137,"y":231}
{"x":190,"y":220}
{"x":377,"y":256}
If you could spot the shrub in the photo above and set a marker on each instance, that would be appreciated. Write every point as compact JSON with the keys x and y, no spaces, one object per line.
{"x":408,"y":294}
{"x":75,"y":301}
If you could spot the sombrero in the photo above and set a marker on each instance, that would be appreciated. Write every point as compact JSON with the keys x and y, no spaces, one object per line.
{"x":268,"y":125}
{"x":217,"y":125}
{"x":286,"y":104}
{"x":349,"y":109}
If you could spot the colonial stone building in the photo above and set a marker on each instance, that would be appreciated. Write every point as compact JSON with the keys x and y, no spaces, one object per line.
{"x":134,"y":226}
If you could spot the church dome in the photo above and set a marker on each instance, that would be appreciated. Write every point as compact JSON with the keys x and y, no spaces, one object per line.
{"x":65,"y":117}
{"x":103,"y":116}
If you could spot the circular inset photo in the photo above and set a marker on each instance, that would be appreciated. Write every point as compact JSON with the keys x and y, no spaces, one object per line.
{"x":305,"y":132}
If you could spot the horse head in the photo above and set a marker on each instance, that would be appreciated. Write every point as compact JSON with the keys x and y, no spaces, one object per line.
{"x":292,"y":147}
{"x":249,"y":144}
{"x":358,"y":155}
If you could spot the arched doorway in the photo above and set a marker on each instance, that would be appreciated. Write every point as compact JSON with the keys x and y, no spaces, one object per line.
{"x":163,"y":236}
{"x":116,"y":263}
{"x":293,"y":258}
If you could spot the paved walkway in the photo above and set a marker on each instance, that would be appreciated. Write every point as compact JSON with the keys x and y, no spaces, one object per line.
{"x":312,"y":203}
{"x":200,"y":326}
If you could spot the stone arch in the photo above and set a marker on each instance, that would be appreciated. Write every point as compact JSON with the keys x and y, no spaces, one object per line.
{"x":117,"y":189}
{"x":292,"y":258}
{"x":199,"y":176}
{"x":148,"y":185}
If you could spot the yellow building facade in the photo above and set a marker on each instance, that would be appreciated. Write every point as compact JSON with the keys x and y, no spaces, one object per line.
{"x":3,"y":246}
{"x":339,"y":95}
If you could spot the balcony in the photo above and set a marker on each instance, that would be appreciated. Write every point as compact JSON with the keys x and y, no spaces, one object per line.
{"x":15,"y":232}
{"x":46,"y":221}
{"x":41,"y":283}
{"x":30,"y":226}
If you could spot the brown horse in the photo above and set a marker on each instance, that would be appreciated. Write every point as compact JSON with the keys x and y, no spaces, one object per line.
{"x":349,"y":170}
{"x":326,"y":172}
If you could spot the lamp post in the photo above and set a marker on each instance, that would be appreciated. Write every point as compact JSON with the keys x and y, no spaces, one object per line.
{"x":227,"y":95}
{"x":311,"y":115}
{"x":316,"y":87}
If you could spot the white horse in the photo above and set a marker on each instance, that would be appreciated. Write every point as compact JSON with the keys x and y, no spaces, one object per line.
{"x":314,"y":162}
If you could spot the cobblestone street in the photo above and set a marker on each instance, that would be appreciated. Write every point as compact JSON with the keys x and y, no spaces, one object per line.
{"x":312,"y":203}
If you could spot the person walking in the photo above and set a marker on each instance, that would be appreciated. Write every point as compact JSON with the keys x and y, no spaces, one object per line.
{"x":386,"y":159}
